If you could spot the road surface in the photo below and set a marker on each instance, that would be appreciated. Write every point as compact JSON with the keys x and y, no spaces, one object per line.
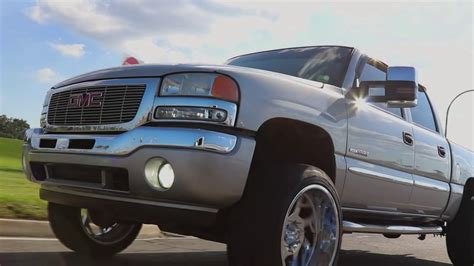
{"x":357,"y":249}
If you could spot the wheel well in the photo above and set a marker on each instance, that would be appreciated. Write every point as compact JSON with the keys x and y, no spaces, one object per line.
{"x":468,"y":192}
{"x":292,"y":141}
{"x":468,"y":189}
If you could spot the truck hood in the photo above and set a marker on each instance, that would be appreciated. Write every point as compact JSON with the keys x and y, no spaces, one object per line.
{"x":149,"y":70}
{"x":141,"y":71}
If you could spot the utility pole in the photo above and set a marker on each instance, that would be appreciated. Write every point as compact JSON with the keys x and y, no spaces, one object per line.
{"x":449,"y":107}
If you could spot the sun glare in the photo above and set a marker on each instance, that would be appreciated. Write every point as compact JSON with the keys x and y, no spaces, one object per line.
{"x":360,"y":103}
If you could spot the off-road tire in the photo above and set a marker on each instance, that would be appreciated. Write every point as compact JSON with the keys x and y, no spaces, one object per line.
{"x":460,"y":235}
{"x":257,"y":220}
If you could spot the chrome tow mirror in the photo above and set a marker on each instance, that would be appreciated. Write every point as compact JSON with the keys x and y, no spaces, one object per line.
{"x":399,"y":90}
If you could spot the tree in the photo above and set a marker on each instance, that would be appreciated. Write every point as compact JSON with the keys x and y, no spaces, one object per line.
{"x":13,"y":128}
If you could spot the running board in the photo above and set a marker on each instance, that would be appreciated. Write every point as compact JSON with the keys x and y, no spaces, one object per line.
{"x":350,"y":227}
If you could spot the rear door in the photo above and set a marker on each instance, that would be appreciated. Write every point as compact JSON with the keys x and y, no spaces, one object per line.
{"x":432,"y":160}
{"x":380,"y":154}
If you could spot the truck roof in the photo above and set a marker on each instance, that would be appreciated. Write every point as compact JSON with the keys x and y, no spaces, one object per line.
{"x":297,"y":47}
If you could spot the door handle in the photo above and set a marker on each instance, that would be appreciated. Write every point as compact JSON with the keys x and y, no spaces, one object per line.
{"x":408,"y":138}
{"x":441,"y":151}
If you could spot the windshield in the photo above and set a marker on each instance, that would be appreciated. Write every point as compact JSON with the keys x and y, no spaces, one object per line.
{"x":324,"y":64}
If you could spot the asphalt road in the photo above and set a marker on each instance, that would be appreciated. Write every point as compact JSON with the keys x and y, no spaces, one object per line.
{"x":358,"y":249}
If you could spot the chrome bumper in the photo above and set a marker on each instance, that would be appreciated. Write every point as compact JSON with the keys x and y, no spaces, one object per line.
{"x":211,"y":168}
{"x":130,"y":141}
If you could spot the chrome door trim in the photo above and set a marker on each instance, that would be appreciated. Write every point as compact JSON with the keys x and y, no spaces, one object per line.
{"x":380,"y":176}
{"x":433,"y":184}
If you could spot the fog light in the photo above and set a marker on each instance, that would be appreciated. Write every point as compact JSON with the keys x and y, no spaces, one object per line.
{"x":166,"y":176}
{"x":159,"y":173}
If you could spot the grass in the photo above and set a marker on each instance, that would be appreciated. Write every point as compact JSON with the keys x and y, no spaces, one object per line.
{"x":19,"y":198}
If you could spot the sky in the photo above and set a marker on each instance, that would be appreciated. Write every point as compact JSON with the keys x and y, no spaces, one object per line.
{"x":43,"y":42}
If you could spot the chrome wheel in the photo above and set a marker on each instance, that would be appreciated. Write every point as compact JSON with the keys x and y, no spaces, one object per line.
{"x":310,"y":234}
{"x":103,"y":235}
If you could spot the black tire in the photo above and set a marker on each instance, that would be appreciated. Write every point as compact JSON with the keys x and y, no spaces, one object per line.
{"x":256,"y":222}
{"x":460,"y":235}
{"x":66,"y":223}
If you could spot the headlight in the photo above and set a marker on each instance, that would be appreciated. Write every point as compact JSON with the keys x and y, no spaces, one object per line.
{"x":191,"y":113}
{"x":43,"y":120}
{"x":200,"y":84}
{"x":44,"y":112}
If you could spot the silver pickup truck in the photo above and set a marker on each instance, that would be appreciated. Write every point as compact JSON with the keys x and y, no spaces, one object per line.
{"x":277,"y":154}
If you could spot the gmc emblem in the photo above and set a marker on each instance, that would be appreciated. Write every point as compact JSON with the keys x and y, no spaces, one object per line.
{"x":88,"y":99}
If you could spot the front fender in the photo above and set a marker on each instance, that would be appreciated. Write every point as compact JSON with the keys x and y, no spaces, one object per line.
{"x":264,"y":97}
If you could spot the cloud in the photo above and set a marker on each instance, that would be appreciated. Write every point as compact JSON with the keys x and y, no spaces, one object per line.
{"x":46,"y":75}
{"x":36,"y":13}
{"x":130,"y":19}
{"x":73,"y":50}
{"x":170,"y":31}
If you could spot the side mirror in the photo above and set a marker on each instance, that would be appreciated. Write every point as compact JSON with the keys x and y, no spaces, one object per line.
{"x":399,"y":90}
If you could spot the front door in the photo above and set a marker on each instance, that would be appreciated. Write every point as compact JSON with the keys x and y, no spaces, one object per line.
{"x":380,"y":154}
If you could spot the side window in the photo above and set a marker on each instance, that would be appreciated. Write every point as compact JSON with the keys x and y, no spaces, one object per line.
{"x":422,"y":114}
{"x":372,"y":73}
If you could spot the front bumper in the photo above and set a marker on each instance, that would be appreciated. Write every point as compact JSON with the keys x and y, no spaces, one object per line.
{"x":211,"y":168}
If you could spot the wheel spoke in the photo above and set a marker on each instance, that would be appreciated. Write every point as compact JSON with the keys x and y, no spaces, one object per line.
{"x":84,"y":217}
{"x":86,"y":222}
{"x":303,"y":203}
{"x":285,"y":253}
{"x":93,"y":230}
{"x":294,"y":218}
{"x":104,"y":230}
{"x":307,"y":252}
{"x":318,"y":214}
{"x":89,"y":229}
{"x":298,"y":206}
{"x":295,"y":259}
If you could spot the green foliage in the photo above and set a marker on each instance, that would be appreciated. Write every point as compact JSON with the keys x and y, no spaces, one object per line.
{"x":10,"y":154}
{"x":19,"y":198}
{"x":13,"y":128}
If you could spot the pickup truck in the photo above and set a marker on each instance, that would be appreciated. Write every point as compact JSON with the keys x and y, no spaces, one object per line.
{"x":276,"y":153}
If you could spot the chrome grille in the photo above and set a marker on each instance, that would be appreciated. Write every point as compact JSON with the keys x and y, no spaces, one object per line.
{"x":119,"y":104}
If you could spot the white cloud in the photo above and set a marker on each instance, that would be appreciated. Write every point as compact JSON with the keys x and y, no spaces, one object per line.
{"x":46,"y":75}
{"x":37,"y":14}
{"x":73,"y":50}
{"x":171,"y":31}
